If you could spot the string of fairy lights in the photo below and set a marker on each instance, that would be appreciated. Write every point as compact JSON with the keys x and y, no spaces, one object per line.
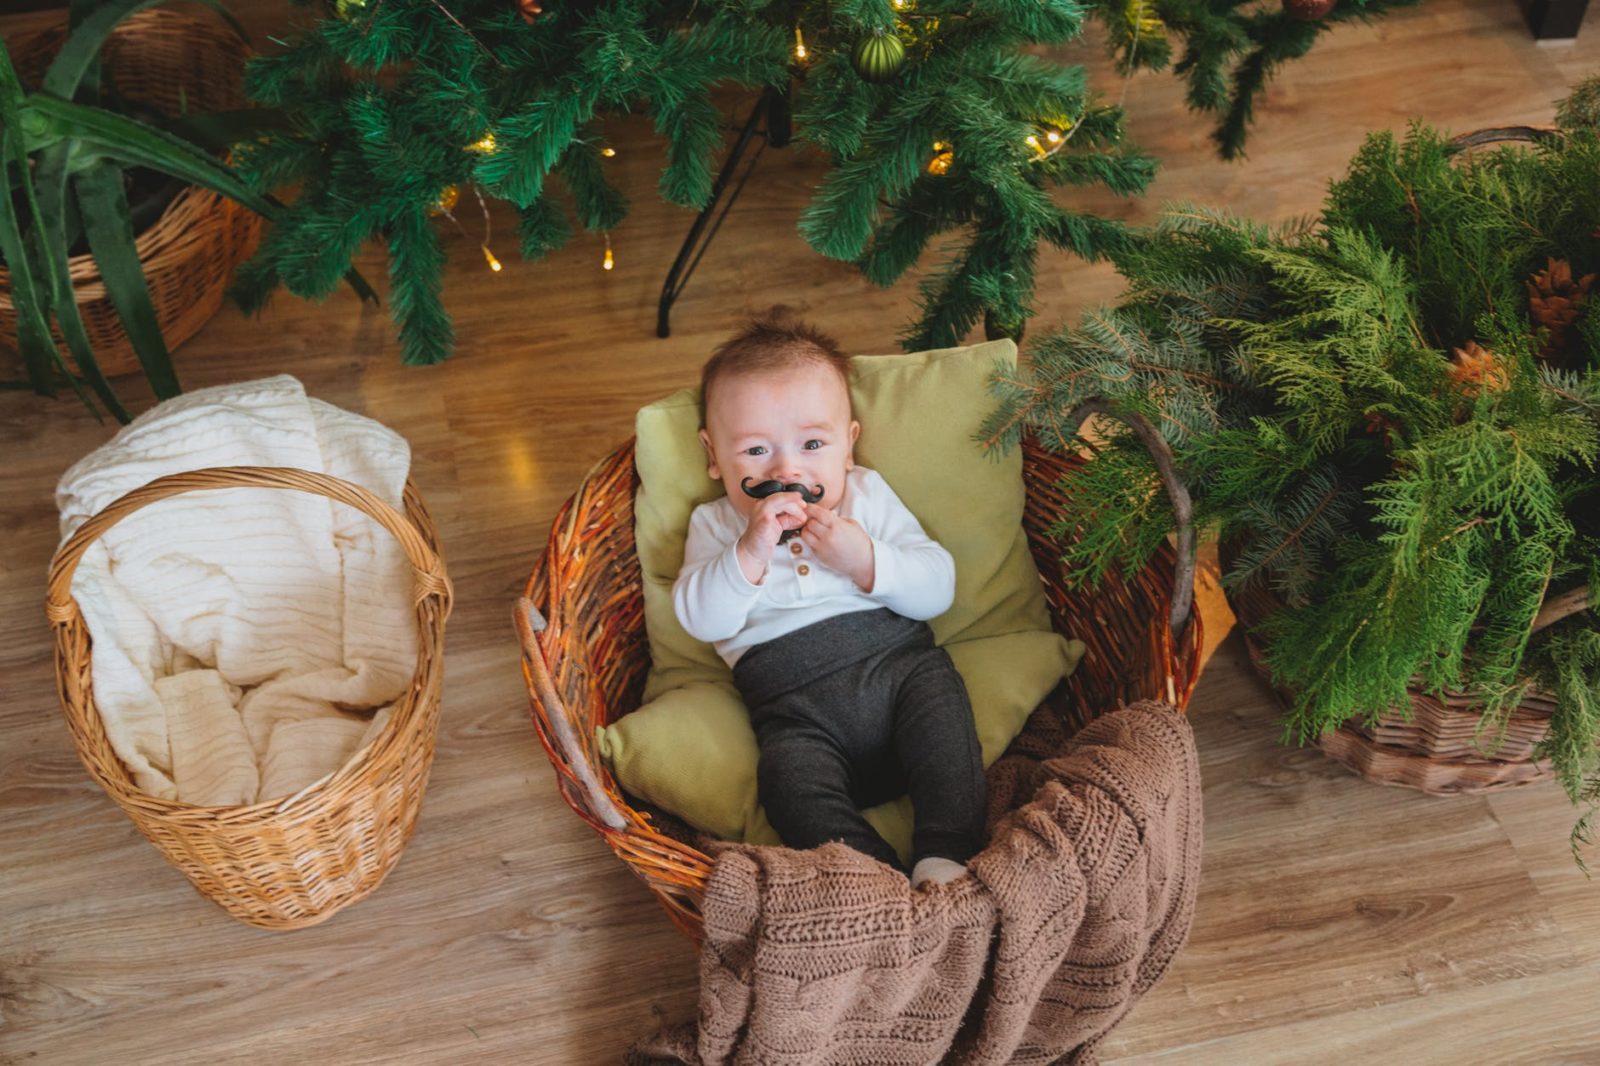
{"x":1048,"y":139}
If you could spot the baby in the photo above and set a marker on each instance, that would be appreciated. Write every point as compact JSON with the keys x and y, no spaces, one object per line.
{"x":825,"y":631}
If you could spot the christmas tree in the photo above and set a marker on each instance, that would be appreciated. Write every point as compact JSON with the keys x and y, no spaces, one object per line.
{"x":1229,"y":49}
{"x":934,"y":118}
{"x":1392,"y":419}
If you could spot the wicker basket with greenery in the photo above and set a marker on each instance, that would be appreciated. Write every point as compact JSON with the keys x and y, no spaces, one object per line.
{"x":1391,"y":419}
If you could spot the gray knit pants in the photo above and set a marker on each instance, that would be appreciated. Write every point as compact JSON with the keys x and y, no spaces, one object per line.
{"x":855,"y":710}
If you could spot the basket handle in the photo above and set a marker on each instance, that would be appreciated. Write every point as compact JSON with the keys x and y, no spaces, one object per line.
{"x":427,"y":568}
{"x":1495,"y":134}
{"x":529,"y":622}
{"x":1177,"y":492}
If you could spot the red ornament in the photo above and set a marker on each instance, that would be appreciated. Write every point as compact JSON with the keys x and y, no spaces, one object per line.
{"x":1308,"y":10}
{"x":530,"y":10}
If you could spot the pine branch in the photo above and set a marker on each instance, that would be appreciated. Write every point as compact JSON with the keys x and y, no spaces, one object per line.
{"x":415,"y":264}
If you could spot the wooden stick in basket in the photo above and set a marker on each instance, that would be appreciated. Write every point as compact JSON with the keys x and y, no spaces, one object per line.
{"x":1567,"y":604}
{"x":529,"y":621}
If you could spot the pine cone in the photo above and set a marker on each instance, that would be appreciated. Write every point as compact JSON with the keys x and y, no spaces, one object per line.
{"x":1478,"y":370}
{"x":1555,"y":301}
{"x":1386,"y":429}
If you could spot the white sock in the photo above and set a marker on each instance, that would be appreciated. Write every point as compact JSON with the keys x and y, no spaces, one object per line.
{"x":934,"y":868}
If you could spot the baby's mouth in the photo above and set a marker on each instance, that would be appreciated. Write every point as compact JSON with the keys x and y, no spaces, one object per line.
{"x":761,"y":490}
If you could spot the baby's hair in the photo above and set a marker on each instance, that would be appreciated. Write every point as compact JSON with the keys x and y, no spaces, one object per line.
{"x":775,"y":340}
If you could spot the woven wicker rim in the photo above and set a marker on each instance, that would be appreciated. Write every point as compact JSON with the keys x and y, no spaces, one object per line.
{"x":165,"y":243}
{"x":582,"y":615}
{"x":1408,"y":749}
{"x":431,"y":582}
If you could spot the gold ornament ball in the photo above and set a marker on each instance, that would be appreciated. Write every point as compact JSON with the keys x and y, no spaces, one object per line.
{"x":345,"y":9}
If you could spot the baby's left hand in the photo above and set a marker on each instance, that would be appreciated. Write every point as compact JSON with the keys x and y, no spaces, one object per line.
{"x":841,"y":543}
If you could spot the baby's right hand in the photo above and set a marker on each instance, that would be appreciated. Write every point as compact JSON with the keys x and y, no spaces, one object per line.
{"x":772,"y":515}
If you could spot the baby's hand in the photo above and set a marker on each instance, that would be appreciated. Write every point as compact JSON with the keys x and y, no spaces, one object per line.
{"x":772,"y":515}
{"x":840,"y":543}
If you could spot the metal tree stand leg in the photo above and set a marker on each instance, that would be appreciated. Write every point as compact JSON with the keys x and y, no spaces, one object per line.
{"x":774,"y":108}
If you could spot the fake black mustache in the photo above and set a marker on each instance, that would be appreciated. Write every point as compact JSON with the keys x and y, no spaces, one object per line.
{"x":762,"y":490}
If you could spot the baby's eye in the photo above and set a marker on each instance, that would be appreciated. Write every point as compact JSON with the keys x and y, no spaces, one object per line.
{"x":813,"y":445}
{"x":756,"y":449}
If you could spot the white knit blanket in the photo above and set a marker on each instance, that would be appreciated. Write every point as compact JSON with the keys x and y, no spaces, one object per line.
{"x":246,"y":642}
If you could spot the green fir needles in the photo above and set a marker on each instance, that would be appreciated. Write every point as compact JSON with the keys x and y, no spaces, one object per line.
{"x":1229,"y":49}
{"x":393,"y":102}
{"x":1390,"y":418}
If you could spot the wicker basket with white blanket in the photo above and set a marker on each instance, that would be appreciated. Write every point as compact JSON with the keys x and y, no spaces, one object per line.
{"x":249,"y":665}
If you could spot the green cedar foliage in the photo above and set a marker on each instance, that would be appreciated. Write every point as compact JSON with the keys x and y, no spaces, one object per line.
{"x":1229,"y":49}
{"x":1413,"y":520}
{"x":386,"y":101}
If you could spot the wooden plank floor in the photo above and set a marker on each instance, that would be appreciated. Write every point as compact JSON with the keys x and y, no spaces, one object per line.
{"x":1338,"y":921}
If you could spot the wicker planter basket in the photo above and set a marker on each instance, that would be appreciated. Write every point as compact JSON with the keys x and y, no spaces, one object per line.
{"x":296,"y":861}
{"x":587,"y":666}
{"x":1442,"y":749}
{"x":166,"y":61}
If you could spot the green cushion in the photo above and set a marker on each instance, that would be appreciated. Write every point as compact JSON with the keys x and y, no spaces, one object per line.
{"x":690,"y":749}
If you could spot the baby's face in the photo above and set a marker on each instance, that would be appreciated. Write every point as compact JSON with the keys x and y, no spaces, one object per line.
{"x":793,"y":425}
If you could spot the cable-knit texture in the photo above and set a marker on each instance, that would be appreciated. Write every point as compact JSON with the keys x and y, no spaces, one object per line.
{"x":1076,"y":908}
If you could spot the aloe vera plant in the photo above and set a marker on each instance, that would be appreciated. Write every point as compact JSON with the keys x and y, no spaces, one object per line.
{"x":64,"y":161}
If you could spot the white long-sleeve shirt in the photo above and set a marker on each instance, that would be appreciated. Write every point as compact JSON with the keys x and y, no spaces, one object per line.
{"x":913,"y":575}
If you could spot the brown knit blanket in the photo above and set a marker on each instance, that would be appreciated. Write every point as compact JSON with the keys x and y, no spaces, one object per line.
{"x":1075,"y":909}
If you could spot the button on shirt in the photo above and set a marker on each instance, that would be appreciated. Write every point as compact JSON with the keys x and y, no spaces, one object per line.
{"x":913,"y":574}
